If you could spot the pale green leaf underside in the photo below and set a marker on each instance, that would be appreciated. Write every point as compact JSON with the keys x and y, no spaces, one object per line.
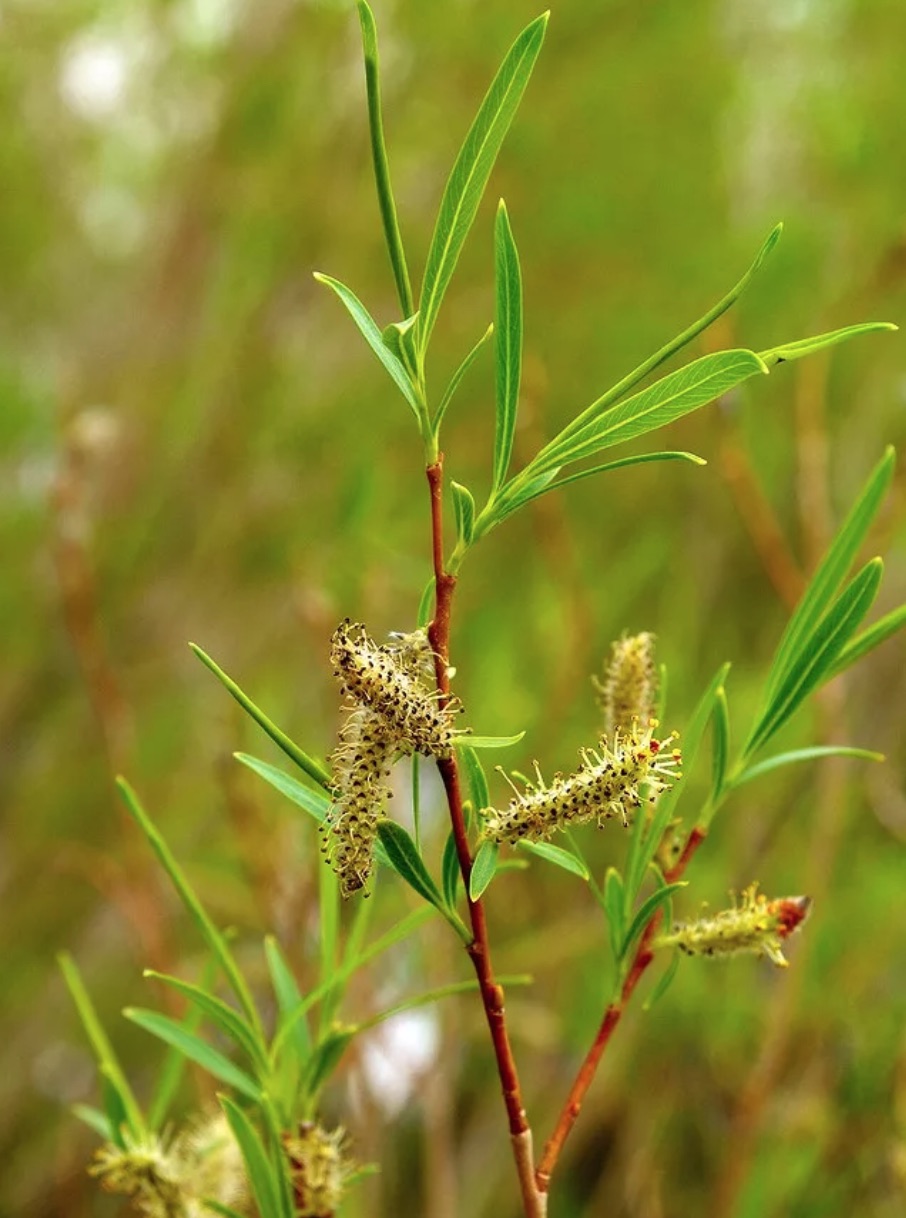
{"x":508,"y":343}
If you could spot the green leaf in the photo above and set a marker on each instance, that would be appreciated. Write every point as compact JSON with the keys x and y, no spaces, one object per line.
{"x":405,"y":860}
{"x":325,"y":1059}
{"x":386,"y":202}
{"x":832,"y":570}
{"x":865,"y":642}
{"x":229,"y":1022}
{"x":463,"y":513}
{"x":796,"y":755}
{"x":218,"y":1207}
{"x":457,"y":377}
{"x":212,"y":936}
{"x":613,"y":907}
{"x":808,"y":346}
{"x":195,"y":1049}
{"x":486,"y":742}
{"x":635,"y":864}
{"x":721,"y":743}
{"x":96,"y":1120}
{"x":475,"y":776}
{"x":370,"y":331}
{"x":426,"y":605}
{"x":313,"y":768}
{"x":170,"y":1074}
{"x":472,"y":169}
{"x":399,"y":338}
{"x":103,"y":1050}
{"x":313,"y":802}
{"x":687,"y":336}
{"x":646,"y":912}
{"x":508,"y":331}
{"x":484,"y":867}
{"x":450,"y":872}
{"x":556,"y":855}
{"x":506,"y":504}
{"x":668,"y":399}
{"x":664,"y":982}
{"x":814,"y":660}
{"x":401,"y":930}
{"x":262,"y":1175}
{"x":329,"y":940}
{"x":288,"y":996}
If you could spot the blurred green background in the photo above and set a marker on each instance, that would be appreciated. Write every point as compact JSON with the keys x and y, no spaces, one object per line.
{"x":197,"y":445}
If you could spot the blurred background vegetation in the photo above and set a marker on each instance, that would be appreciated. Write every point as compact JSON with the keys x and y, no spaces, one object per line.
{"x":197,"y":445}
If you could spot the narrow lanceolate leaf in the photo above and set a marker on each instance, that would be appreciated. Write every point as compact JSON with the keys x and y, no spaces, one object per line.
{"x":229,"y":1022}
{"x":464,"y":514}
{"x":815,"y":658}
{"x":405,"y":860}
{"x":647,"y":911}
{"x":475,"y":777}
{"x":371,"y":332}
{"x":556,"y":855}
{"x":457,"y":377}
{"x":311,"y":767}
{"x":195,"y":1049}
{"x":472,"y":169}
{"x":103,"y":1049}
{"x":313,"y":802}
{"x":648,"y":366}
{"x":506,"y":504}
{"x":262,"y":1174}
{"x":486,"y":742}
{"x":831,"y":572}
{"x":664,"y":982}
{"x":721,"y":728}
{"x":508,"y":340}
{"x":613,"y":907}
{"x":815,"y":753}
{"x":325,"y":1059}
{"x":876,"y":634}
{"x":379,"y":157}
{"x":186,"y":893}
{"x":808,"y":346}
{"x":288,"y":995}
{"x":666,"y":400}
{"x":450,"y":871}
{"x":484,"y":869}
{"x":96,"y":1120}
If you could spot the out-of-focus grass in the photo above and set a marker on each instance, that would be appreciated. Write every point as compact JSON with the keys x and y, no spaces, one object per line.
{"x":195,"y":444}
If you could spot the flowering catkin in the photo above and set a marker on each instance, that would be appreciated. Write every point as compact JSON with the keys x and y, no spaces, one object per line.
{"x":361,"y":765}
{"x":389,"y":678}
{"x":629,"y":688}
{"x":754,"y":924}
{"x":318,"y":1170}
{"x":609,"y":783}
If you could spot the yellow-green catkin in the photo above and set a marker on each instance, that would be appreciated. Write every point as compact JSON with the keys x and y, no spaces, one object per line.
{"x":629,"y":689}
{"x":391,"y":679}
{"x":173,"y":1179}
{"x":755,"y":924}
{"x":319,"y":1170}
{"x":613,"y":780}
{"x":360,"y":766}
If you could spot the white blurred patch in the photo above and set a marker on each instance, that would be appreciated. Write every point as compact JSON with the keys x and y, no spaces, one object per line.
{"x":94,"y":74}
{"x":396,"y":1056}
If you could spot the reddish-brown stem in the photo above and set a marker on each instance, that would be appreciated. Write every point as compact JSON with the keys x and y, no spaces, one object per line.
{"x":612,"y":1015}
{"x":478,"y":949}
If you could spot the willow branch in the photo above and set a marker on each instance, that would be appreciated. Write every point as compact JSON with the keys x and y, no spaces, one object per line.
{"x":534,"y":1200}
{"x":644,"y":954}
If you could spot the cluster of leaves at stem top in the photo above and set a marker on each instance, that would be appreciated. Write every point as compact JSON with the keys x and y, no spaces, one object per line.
{"x":622,"y":413}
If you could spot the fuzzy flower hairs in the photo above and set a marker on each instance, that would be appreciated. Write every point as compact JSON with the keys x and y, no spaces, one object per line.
{"x":392,"y":711}
{"x":754,"y":924}
{"x":628,"y":768}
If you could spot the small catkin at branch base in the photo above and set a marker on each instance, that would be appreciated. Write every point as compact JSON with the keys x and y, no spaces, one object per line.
{"x":754,"y":924}
{"x":609,"y":783}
